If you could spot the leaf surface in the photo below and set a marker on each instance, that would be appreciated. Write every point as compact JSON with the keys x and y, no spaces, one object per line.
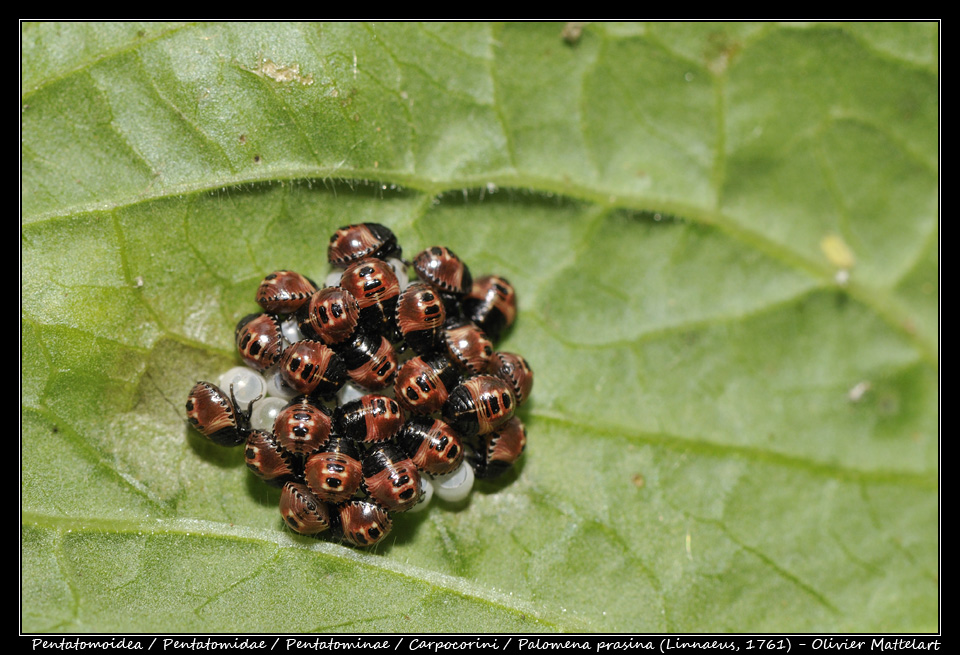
{"x":724,"y":240}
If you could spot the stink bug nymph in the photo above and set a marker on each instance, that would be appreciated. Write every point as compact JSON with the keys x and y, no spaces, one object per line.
{"x":259,"y":340}
{"x":363,"y":522}
{"x":216,"y":416}
{"x":302,"y":511}
{"x":391,"y":479}
{"x":283,"y":292}
{"x":303,"y":426}
{"x":334,"y":474}
{"x":479,"y":405}
{"x":354,"y":242}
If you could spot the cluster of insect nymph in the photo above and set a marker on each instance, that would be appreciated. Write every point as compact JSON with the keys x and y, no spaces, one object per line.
{"x":371,"y":394}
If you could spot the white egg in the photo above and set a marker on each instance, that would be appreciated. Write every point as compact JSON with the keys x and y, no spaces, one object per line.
{"x":454,"y":487}
{"x":290,"y":329}
{"x":265,"y":411}
{"x":277,"y":387}
{"x":333,"y":279}
{"x":427,"y":487}
{"x":247,"y":385}
{"x":401,"y":270}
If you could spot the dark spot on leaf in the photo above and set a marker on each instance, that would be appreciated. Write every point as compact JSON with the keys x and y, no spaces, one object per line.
{"x":888,"y":404}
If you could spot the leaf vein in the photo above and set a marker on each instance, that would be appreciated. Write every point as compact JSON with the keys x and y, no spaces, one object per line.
{"x":217,"y":147}
{"x":701,"y":446}
{"x":200,"y":529}
{"x":779,"y":570}
{"x":85,"y":66}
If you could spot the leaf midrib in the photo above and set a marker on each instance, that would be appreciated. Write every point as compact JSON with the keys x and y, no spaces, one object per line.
{"x":879,"y":300}
{"x":195,"y":528}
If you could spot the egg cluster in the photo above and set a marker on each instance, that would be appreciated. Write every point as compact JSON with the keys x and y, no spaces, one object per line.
{"x":369,"y":395}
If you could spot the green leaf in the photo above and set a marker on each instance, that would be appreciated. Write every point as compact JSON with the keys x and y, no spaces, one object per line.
{"x":724,"y":240}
